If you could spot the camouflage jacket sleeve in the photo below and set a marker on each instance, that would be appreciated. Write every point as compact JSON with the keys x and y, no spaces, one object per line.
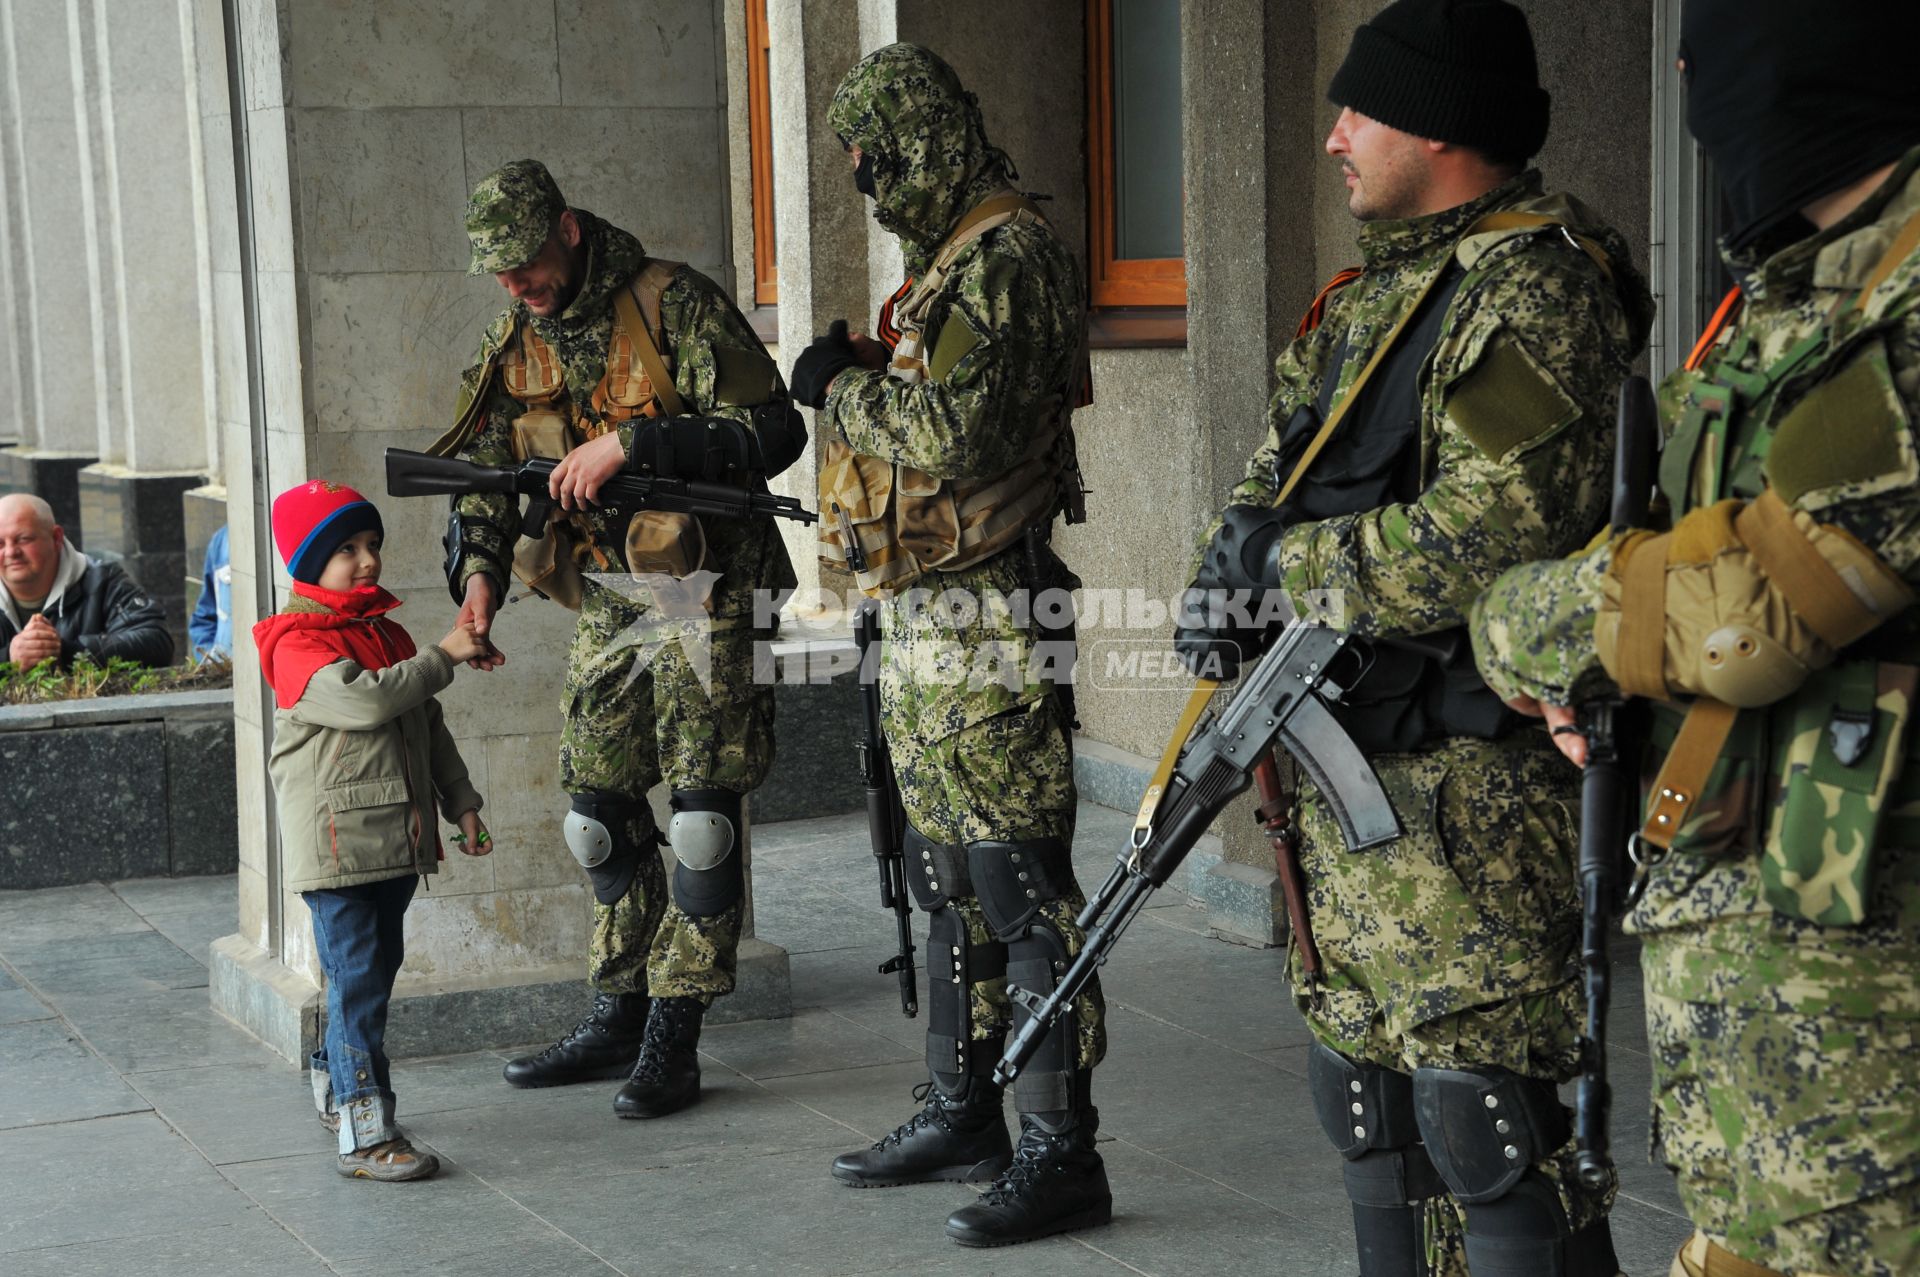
{"x":1535,"y":630}
{"x":719,"y":366}
{"x":1518,"y":404}
{"x":976,"y":420}
{"x":489,"y":520}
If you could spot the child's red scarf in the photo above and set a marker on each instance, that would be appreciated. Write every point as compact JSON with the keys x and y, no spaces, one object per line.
{"x":320,"y":627}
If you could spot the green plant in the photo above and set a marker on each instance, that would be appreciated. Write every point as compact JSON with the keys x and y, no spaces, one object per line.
{"x":85,"y":679}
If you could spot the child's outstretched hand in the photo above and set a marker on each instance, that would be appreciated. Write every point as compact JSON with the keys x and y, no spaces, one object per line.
{"x":473,"y":838}
{"x":462,"y":644}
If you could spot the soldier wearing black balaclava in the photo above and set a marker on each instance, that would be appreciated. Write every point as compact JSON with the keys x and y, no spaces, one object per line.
{"x":1774,"y":627}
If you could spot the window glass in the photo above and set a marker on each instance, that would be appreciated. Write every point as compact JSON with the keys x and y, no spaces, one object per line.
{"x":1146,"y":126}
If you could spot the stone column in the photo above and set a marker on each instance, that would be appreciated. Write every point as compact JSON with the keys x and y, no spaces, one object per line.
{"x":364,"y":145}
{"x":148,"y":293}
{"x":60,"y":374}
{"x":819,"y":220}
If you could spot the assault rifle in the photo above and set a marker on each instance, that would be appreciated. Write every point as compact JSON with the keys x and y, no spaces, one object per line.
{"x":419,"y":474}
{"x":886,"y":821}
{"x":1608,"y":787}
{"x":1282,"y":701}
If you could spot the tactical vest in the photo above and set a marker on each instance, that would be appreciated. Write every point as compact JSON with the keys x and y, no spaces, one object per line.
{"x":1800,"y":777}
{"x":890,"y":523}
{"x":638,"y":382}
{"x":1417,"y":690}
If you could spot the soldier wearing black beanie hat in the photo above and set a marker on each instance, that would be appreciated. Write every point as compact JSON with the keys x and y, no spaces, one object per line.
{"x":1445,"y":414}
{"x":1460,"y":71}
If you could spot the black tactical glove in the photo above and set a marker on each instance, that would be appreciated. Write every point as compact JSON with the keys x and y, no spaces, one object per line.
{"x":711,"y":448}
{"x":824,"y":358}
{"x":1218,"y":624}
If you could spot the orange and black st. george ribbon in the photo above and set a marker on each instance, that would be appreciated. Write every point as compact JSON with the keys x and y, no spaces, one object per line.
{"x":1318,"y":311}
{"x":1725,"y":314}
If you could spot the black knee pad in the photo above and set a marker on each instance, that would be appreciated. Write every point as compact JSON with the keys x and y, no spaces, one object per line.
{"x":936,"y":872}
{"x":1485,"y":1129}
{"x":953,"y":966}
{"x":708,"y":877}
{"x":627,"y":824}
{"x":1367,"y":1112}
{"x":1014,"y":879}
{"x":1035,"y":962}
{"x":1360,"y":1106}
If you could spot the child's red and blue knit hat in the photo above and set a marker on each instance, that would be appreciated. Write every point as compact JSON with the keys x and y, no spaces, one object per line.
{"x":313,"y":520}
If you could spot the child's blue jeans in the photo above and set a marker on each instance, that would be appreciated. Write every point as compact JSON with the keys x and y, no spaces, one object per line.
{"x":358,"y":937}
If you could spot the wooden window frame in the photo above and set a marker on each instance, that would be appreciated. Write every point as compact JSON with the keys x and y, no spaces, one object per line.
{"x":766,"y":274}
{"x":1116,"y":281}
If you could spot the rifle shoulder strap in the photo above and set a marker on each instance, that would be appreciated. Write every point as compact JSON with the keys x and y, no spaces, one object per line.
{"x":1203,"y":691}
{"x":474,"y":411}
{"x":646,"y":290}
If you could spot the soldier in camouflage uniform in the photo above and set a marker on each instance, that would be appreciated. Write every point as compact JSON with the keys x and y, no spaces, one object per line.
{"x":1774,"y":629}
{"x":1446,"y":1011}
{"x":985,"y":368}
{"x":659,"y":683}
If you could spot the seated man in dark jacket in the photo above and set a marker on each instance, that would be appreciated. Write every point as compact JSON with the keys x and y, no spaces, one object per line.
{"x":56,"y":603}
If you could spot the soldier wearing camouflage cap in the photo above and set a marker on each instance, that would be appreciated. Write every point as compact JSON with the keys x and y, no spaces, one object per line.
{"x":1771,"y":620}
{"x":1462,"y":383}
{"x":950,"y":455}
{"x":611,"y":359}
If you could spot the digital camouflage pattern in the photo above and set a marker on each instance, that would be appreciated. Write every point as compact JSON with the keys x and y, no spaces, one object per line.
{"x":1457,"y":945}
{"x":976,"y":735}
{"x":1415,"y":568}
{"x":510,"y":216}
{"x":635,"y":710}
{"x":636,"y":713}
{"x":932,"y":161}
{"x":700,"y":322}
{"x":1783,"y":1046}
{"x":1016,"y":288}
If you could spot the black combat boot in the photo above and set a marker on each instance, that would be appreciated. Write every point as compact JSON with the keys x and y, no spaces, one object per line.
{"x":666,"y":1078}
{"x":1057,"y":1182}
{"x":960,"y":1135}
{"x":601,"y":1047}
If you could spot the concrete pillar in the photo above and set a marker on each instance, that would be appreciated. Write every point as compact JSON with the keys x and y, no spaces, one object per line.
{"x":819,"y":220}
{"x":365,"y":139}
{"x":13,"y":334}
{"x":50,"y":218}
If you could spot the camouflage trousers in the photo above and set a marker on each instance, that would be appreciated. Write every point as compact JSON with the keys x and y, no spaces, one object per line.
{"x":1455,"y":946}
{"x":1784,"y":1097}
{"x":981,"y":753}
{"x":645,"y":703}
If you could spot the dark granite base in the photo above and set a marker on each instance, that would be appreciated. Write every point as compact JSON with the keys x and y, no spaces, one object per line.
{"x":54,"y":477}
{"x":139,"y":520}
{"x":121,"y":787}
{"x":817,"y":728}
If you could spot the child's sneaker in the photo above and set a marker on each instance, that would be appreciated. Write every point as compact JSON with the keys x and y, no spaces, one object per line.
{"x":392,"y":1161}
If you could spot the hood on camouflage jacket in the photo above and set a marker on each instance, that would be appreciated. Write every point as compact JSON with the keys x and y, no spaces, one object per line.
{"x":931,"y":158}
